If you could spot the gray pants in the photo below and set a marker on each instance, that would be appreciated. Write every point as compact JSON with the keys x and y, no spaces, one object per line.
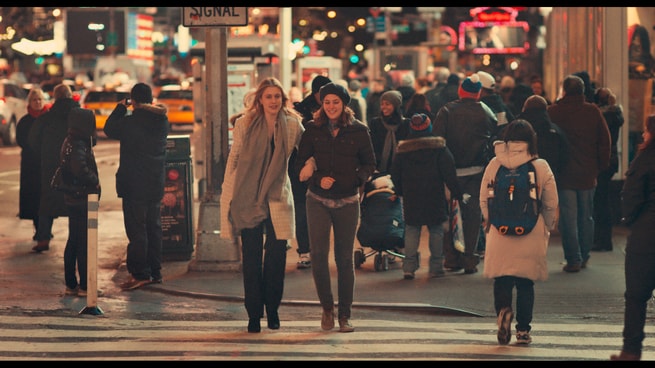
{"x":343,"y":221}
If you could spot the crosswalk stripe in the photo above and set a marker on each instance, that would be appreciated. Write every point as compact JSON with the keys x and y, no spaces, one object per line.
{"x":98,"y":337}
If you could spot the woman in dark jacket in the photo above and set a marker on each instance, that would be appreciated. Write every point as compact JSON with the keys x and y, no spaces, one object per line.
{"x":421,"y":168}
{"x":80,"y":175}
{"x":638,"y":208}
{"x":343,"y":153}
{"x":30,"y":163}
{"x":45,"y":139}
{"x":387,"y":129}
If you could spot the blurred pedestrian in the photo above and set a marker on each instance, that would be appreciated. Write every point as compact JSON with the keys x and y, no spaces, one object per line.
{"x":418,"y":104}
{"x":491,"y":98}
{"x":537,"y":85}
{"x":441,"y":75}
{"x":387,"y":129}
{"x":447,"y":94}
{"x":589,"y":138}
{"x":378,"y":87}
{"x":30,"y":163}
{"x":80,"y":173}
{"x":552,"y":144}
{"x":637,"y":205}
{"x":469,"y":127}
{"x":603,"y":210}
{"x":518,"y":261}
{"x":307,"y":107}
{"x":421,"y":170}
{"x":140,"y":180}
{"x":257,"y":200}
{"x":354,"y":86}
{"x":333,"y":196}
{"x":406,"y":88}
{"x":45,"y":139}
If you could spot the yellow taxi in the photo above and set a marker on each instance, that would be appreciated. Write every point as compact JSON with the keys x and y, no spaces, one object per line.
{"x":102,"y":102}
{"x":179,"y":102}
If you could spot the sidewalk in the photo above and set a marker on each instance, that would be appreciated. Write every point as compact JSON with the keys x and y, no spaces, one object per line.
{"x":594,"y":292}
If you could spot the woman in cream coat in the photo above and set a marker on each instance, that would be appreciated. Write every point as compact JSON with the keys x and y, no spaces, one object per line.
{"x":256,"y":198}
{"x":518,"y":261}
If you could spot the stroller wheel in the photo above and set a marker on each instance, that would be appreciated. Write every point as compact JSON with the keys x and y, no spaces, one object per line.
{"x":360,"y":258}
{"x":385,"y":262}
{"x":378,"y":262}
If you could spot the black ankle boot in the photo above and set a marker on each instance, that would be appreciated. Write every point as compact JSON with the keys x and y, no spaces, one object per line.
{"x":273,"y":320}
{"x":254,"y":325}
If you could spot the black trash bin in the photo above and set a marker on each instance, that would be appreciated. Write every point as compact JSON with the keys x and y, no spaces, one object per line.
{"x":177,"y":204}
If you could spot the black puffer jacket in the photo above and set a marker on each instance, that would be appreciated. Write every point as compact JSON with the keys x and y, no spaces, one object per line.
{"x":77,"y":159}
{"x":348,"y":158}
{"x":46,"y":137}
{"x":469,"y":127}
{"x":142,"y":136}
{"x":638,"y":202}
{"x":421,"y":168}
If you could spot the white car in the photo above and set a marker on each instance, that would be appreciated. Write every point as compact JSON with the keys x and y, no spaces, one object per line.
{"x":13,"y":105}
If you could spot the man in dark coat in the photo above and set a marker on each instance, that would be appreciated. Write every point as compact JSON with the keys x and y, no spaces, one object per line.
{"x":469,"y":127}
{"x":45,"y":139}
{"x":140,"y":181}
{"x":590,"y":144}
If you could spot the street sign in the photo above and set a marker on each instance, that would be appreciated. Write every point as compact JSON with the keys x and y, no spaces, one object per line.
{"x":207,"y":16}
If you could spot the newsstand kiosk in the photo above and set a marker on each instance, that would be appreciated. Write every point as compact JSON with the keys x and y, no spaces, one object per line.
{"x":177,"y":204}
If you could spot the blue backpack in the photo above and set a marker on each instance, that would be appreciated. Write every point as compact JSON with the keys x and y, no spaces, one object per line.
{"x":513,"y":204}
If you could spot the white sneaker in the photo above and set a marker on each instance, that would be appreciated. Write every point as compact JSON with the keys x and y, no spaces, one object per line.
{"x":304,"y":261}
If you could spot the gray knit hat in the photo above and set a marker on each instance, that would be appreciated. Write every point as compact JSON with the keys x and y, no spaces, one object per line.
{"x":393,"y":97}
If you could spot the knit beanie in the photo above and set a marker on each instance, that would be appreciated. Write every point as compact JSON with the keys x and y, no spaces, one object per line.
{"x":318,"y":82}
{"x":470,"y":88}
{"x":535,"y":102}
{"x":393,"y":97}
{"x":335,"y":89}
{"x":420,"y":122}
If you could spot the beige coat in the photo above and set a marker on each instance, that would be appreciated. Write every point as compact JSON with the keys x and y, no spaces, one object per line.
{"x":282,"y":210}
{"x":521,"y":256}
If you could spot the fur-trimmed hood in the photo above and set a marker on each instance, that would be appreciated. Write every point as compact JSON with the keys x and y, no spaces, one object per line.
{"x":159,"y":109}
{"x":415,"y":144}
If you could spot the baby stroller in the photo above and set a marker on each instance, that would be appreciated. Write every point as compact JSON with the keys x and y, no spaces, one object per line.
{"x":381,"y":226}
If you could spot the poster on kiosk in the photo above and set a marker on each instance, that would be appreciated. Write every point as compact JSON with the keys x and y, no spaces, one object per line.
{"x":311,"y":66}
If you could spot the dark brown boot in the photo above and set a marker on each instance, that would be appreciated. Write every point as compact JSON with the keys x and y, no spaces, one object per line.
{"x":41,"y":245}
{"x":625,"y":356}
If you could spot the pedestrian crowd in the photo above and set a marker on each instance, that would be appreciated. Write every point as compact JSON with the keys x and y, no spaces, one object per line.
{"x":301,"y":167}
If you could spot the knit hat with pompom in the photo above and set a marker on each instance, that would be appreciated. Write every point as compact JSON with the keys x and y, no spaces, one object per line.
{"x":470,"y":87}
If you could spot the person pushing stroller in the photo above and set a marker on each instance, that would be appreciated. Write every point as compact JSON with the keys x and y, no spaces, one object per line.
{"x":422,"y":165}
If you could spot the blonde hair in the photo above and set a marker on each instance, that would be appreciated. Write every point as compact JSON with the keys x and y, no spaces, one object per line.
{"x":35,"y":92}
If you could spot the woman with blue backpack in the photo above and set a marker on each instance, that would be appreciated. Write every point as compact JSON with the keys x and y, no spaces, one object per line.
{"x":515,"y":255}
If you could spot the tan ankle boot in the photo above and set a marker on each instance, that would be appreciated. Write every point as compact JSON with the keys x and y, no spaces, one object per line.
{"x":625,"y":356}
{"x":327,"y":320}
